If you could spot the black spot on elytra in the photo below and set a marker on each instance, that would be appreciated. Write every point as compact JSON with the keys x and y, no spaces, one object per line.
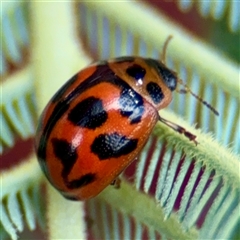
{"x":155,"y":92}
{"x":112,"y":145}
{"x":131,"y":105}
{"x":66,"y":153}
{"x":82,"y":181}
{"x":102,"y":74}
{"x":89,"y":113}
{"x":136,"y":71}
{"x":168,"y":76}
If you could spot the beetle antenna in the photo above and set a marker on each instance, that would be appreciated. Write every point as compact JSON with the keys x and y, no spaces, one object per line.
{"x":187,"y":89}
{"x":164,"y":51}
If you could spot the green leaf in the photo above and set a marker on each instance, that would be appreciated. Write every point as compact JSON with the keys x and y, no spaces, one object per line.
{"x":178,"y":190}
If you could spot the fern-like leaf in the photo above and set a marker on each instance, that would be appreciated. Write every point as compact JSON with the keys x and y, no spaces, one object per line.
{"x":175,"y":190}
{"x":20,"y":195}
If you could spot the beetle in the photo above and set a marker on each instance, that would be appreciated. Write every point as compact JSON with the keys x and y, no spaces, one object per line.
{"x":98,"y":122}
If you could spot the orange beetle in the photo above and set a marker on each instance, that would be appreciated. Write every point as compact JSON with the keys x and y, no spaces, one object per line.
{"x":98,"y":122}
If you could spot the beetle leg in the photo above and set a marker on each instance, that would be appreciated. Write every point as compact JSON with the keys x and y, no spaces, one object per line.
{"x":179,"y":129}
{"x":116,"y":183}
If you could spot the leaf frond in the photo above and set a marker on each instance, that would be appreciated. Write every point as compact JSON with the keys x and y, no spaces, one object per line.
{"x":217,"y":10}
{"x":14,"y":37}
{"x":21,"y":196}
{"x":167,"y":164}
{"x":141,"y":207}
{"x":69,"y":223}
{"x":18,"y":108}
{"x":179,"y":190}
